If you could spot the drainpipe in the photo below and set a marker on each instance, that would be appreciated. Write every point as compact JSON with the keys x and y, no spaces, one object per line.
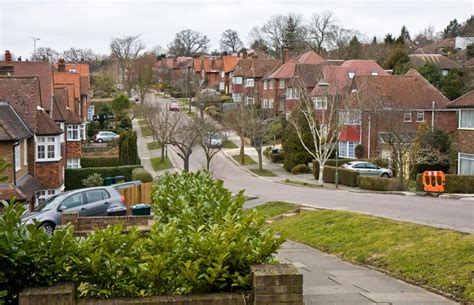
{"x":432,"y":115}
{"x":368,"y":140}
{"x":14,"y":162}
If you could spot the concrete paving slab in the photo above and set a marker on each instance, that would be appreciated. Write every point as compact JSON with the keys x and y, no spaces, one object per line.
{"x":376,"y":283}
{"x":407,"y":297}
{"x":352,"y":298}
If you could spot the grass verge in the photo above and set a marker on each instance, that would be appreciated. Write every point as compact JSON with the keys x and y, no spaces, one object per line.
{"x":434,"y":258}
{"x":153,"y":145}
{"x":146,"y":131}
{"x":301,"y":183}
{"x":229,"y":144}
{"x":247,"y":160}
{"x":275,"y":208}
{"x":263,"y":172}
{"x":158,"y":165}
{"x":142,"y":122}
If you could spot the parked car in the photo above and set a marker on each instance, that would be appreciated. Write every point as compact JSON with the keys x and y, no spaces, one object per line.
{"x":174,"y":106}
{"x":368,"y":169}
{"x":214,"y":140}
{"x":124,"y":185}
{"x":92,"y":201}
{"x":105,"y":136}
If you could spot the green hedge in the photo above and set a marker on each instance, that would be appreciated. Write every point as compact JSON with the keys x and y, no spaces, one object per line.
{"x":141,"y":174}
{"x":329,"y":162}
{"x":461,"y":184}
{"x":87,"y":162}
{"x":73,"y":176}
{"x":346,"y":176}
{"x":379,"y":183}
{"x":301,"y":169}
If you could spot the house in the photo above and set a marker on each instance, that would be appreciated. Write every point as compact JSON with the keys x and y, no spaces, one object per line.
{"x":441,"y":61}
{"x":461,"y":43}
{"x":444,"y":46}
{"x":30,"y":140}
{"x":464,"y":106}
{"x":211,"y":72}
{"x":229,"y":63}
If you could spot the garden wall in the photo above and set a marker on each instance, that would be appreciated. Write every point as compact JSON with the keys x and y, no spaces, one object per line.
{"x":84,"y":224}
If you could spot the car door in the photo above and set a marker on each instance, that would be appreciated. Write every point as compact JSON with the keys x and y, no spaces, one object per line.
{"x":373,"y":169}
{"x":97,"y":202}
{"x":360,"y":167}
{"x":75,"y":203}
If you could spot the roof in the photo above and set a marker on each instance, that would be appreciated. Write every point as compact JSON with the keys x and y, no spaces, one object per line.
{"x":28,"y":185}
{"x":465,"y":101}
{"x":364,"y":67}
{"x":44,"y":71}
{"x":8,"y":191}
{"x":61,"y":111}
{"x":243,"y":67}
{"x":309,"y":57}
{"x":285,"y":71}
{"x":45,"y":126}
{"x":260,"y":67}
{"x":85,"y":85}
{"x":308,"y":74}
{"x":211,"y":65}
{"x":443,"y":62}
{"x":229,"y":63}
{"x":184,"y":63}
{"x":12,"y":127}
{"x":409,"y":91}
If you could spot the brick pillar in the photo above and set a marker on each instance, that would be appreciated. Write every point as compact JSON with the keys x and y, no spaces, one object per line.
{"x":70,"y":217}
{"x":277,"y":284}
{"x":63,"y":294}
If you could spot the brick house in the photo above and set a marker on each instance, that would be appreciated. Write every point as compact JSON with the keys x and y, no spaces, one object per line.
{"x":229,"y":63}
{"x":464,"y":107}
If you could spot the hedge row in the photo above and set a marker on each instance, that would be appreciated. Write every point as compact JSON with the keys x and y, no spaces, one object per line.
{"x":329,"y":162}
{"x":461,"y":184}
{"x":73,"y":176}
{"x":141,"y":174}
{"x":87,"y":162}
{"x":346,"y":176}
{"x":379,"y":183}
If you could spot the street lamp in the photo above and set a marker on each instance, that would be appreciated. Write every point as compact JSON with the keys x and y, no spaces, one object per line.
{"x":324,"y":86}
{"x":34,"y":44}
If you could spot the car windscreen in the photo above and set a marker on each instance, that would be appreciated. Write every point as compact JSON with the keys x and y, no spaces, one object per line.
{"x":49,"y":203}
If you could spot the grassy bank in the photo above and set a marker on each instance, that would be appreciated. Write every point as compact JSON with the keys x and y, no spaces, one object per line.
{"x":247,"y":160}
{"x":158,"y":165}
{"x":263,"y":172}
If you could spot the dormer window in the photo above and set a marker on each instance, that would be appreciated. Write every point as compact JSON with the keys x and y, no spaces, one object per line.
{"x":350,"y":75}
{"x":374,"y":73}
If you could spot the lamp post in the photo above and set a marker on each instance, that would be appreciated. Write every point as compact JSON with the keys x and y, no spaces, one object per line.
{"x":34,"y":45}
{"x":324,"y":86}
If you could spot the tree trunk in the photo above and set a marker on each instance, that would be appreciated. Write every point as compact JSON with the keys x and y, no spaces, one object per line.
{"x":321,"y":172}
{"x":208,"y":163}
{"x":242,"y":150}
{"x":186,"y":164}
{"x":260,"y":161}
{"x":202,"y":112}
{"x":162,"y":153}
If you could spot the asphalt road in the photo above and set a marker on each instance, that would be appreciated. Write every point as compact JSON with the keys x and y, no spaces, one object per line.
{"x":438,"y":212}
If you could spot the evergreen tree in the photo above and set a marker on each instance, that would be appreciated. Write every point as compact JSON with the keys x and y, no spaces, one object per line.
{"x":291,"y":35}
{"x":354,"y":49}
{"x":398,"y":61}
{"x":452,"y":84}
{"x":374,"y":40}
{"x":293,"y":151}
{"x":452,"y":30}
{"x":432,"y":73}
{"x":404,"y":34}
{"x":128,"y":151}
{"x":389,"y":39}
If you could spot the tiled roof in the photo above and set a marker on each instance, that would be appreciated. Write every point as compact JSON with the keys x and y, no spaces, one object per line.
{"x":308,"y":74}
{"x":243,"y":67}
{"x":229,"y":63}
{"x":260,"y":67}
{"x":285,"y":71}
{"x":41,"y":69}
{"x":409,"y":91}
{"x":309,"y":57}
{"x":443,"y":62}
{"x":45,"y":126}
{"x":364,"y":67}
{"x":28,"y":185}
{"x":61,"y":111}
{"x":465,"y":101}
{"x":12,"y":127}
{"x":8,"y":191}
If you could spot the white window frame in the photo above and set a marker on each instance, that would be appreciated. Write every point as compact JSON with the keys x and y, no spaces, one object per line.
{"x":73,"y":163}
{"x":350,"y":117}
{"x":347,"y":147}
{"x":270,"y":103}
{"x":405,"y":119}
{"x":292,"y":94}
{"x":46,"y":142}
{"x":281,"y":84}
{"x":374,"y":73}
{"x":249,"y":100}
{"x":460,"y":119}
{"x":320,"y":102}
{"x":74,"y":129}
{"x":17,"y":149}
{"x":249,"y":82}
{"x":350,"y":75}
{"x":237,"y":80}
{"x":25,"y":152}
{"x":42,"y":195}
{"x":63,"y":136}
{"x":265,"y":85}
{"x":272,"y":84}
{"x":464,"y":156}
{"x":420,"y":116}
{"x":90,"y":113}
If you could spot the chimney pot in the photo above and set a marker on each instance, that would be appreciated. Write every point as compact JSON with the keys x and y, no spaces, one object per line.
{"x":61,"y":65}
{"x":8,"y":56}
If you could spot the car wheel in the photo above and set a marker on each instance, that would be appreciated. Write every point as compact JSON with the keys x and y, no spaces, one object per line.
{"x":385,"y":175}
{"x":100,"y":141}
{"x":48,"y":227}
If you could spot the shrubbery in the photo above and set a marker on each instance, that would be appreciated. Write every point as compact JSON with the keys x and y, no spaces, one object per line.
{"x":141,"y":174}
{"x":293,"y":151}
{"x":73,"y":176}
{"x":301,"y":169}
{"x":346,"y":176}
{"x":128,"y":151}
{"x":379,"y":183}
{"x":99,"y":162}
{"x":329,"y":162}
{"x":462,"y":184}
{"x":93,"y":180}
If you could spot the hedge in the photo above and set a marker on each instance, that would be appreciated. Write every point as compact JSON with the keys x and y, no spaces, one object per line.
{"x":74,"y":176}
{"x":462,"y":184}
{"x":329,"y":162}
{"x":301,"y":169}
{"x":379,"y":183}
{"x":141,"y":174}
{"x":87,"y":162}
{"x":346,"y":176}
{"x":278,"y":157}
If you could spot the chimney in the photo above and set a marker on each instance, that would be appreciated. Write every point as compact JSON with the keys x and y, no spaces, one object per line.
{"x":61,"y":65}
{"x":285,"y":56}
{"x":8,"y":56}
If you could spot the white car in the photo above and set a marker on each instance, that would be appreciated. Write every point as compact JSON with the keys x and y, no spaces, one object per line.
{"x":106,"y":136}
{"x":368,"y":169}
{"x":214,"y":140}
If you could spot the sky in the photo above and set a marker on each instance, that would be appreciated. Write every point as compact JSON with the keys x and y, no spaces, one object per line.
{"x":93,"y":24}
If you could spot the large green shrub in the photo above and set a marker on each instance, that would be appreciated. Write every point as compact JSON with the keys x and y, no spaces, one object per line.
{"x":301,"y":169}
{"x":73,"y":176}
{"x":293,"y":151}
{"x":93,"y":180}
{"x":120,"y":103}
{"x":346,"y":176}
{"x":379,"y":183}
{"x":99,"y":162}
{"x":141,"y":174}
{"x":462,"y":184}
{"x":128,"y":151}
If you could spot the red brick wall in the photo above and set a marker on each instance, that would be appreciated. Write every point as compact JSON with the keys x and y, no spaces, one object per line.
{"x":73,"y":149}
{"x":50,"y":174}
{"x":465,"y":141}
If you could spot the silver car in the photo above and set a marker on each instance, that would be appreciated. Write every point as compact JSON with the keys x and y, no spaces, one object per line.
{"x":105,"y":136}
{"x":93,"y":201}
{"x":368,"y":169}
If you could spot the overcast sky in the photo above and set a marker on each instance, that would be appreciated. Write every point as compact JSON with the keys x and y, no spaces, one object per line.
{"x":92,"y":24}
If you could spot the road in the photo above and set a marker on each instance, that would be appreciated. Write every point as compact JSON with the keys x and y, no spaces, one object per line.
{"x":442,"y":213}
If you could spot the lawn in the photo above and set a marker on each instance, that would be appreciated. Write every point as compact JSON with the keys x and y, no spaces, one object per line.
{"x":229,"y":144}
{"x":275,"y":208}
{"x":263,"y":172}
{"x":153,"y":145}
{"x":142,"y":122}
{"x":301,"y":183}
{"x":247,"y":160}
{"x":146,"y":131}
{"x":158,"y":165}
{"x":435,"y":258}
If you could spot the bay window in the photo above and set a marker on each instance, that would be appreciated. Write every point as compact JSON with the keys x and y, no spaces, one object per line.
{"x":249,"y":82}
{"x":17,"y":157}
{"x":74,"y":132}
{"x":48,"y":148}
{"x":347,"y":149}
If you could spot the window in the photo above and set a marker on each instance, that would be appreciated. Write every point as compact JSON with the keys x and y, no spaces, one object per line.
{"x":407,"y":117}
{"x":249,"y":82}
{"x":466,"y":119}
{"x":17,"y":157}
{"x":324,"y":130}
{"x":281,"y":84}
{"x":374,"y":73}
{"x":264,"y":85}
{"x":466,"y":164}
{"x":351,"y":75}
{"x":270,"y":103}
{"x":237,"y":80}
{"x":25,"y":152}
{"x":420,"y":116}
{"x":96,"y":195}
{"x":445,"y":72}
{"x":292,"y":94}
{"x":74,"y":132}
{"x":350,"y":117}
{"x":249,"y":100}
{"x":90,"y":113}
{"x":73,"y":201}
{"x":73,"y":163}
{"x":45,"y":194}
{"x":320,"y":102}
{"x":272,"y":84}
{"x":47,"y":149}
{"x":347,"y":149}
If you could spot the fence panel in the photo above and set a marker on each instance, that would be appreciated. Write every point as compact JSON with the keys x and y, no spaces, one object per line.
{"x":137,"y":194}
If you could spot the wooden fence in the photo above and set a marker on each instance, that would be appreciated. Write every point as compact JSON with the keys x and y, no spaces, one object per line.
{"x":137,"y":194}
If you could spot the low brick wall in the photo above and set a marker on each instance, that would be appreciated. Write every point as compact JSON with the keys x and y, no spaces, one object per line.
{"x":84,"y":224}
{"x":272,"y":284}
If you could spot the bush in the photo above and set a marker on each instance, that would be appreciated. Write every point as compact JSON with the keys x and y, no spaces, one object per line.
{"x":73,"y":176}
{"x":87,"y":162}
{"x":462,"y":184}
{"x":177,"y":94}
{"x":267,"y":152}
{"x":359,"y":151}
{"x":301,"y":169}
{"x":346,"y":176}
{"x":141,"y":174}
{"x":93,"y":180}
{"x":380,"y":162}
{"x":379,"y":183}
{"x":329,"y":162}
{"x":293,"y":151}
{"x":278,"y":157}
{"x":128,"y":151}
{"x":92,"y":129}
{"x":120,"y":103}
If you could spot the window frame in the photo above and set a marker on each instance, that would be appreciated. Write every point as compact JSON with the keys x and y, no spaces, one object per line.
{"x":265,"y":85}
{"x":464,"y":156}
{"x":249,"y":82}
{"x":418,"y":116}
{"x":70,"y":130}
{"x":405,"y":117}
{"x":281,"y":84}
{"x":25,"y":152}
{"x":73,"y":163}
{"x":460,"y":119}
{"x":46,"y":144}
{"x":272,"y":84}
{"x":17,"y":152}
{"x":322,"y":101}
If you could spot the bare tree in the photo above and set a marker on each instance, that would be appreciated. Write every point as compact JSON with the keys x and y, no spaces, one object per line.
{"x":46,"y":54}
{"x":185,"y":139}
{"x":271,"y":34}
{"x":230,"y":41}
{"x":141,"y":75}
{"x":236,"y":119}
{"x":188,"y":43}
{"x":126,"y":49}
{"x":158,"y":51}
{"x":321,"y":31}
{"x":79,"y":55}
{"x":209,"y":136}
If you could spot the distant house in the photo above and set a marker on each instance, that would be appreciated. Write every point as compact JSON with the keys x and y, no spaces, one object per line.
{"x":462,"y":42}
{"x":441,"y":61}
{"x":464,"y":106}
{"x":229,"y":63}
